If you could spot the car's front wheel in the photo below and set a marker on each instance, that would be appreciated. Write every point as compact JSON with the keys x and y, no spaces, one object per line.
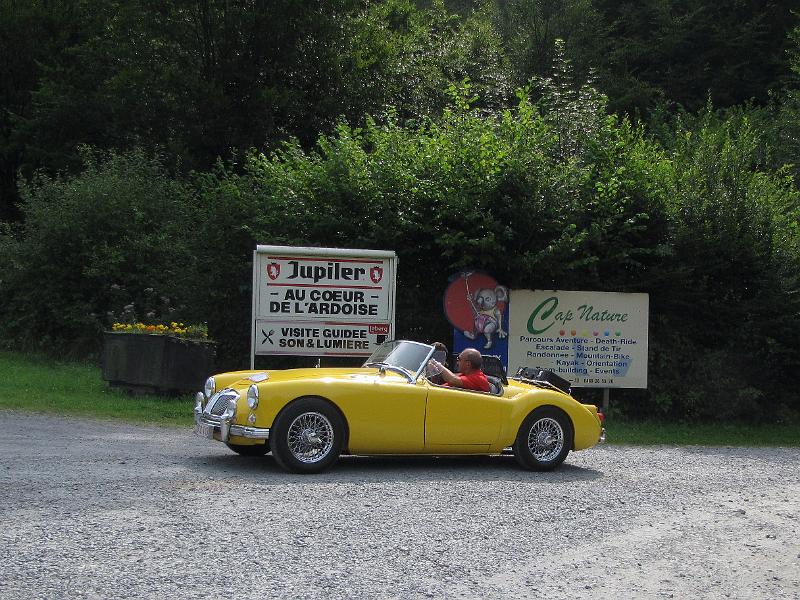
{"x":544,"y":440}
{"x":308,"y":436}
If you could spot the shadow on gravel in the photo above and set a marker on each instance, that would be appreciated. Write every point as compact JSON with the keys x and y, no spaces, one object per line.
{"x":264,"y":470}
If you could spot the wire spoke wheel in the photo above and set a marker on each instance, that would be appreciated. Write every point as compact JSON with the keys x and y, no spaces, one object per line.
{"x":310,"y":437}
{"x":546,"y":439}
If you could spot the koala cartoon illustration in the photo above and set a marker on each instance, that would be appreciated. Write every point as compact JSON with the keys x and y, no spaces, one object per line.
{"x":488,"y":318}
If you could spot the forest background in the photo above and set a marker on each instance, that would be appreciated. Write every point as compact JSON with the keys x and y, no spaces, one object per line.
{"x":651,"y":146}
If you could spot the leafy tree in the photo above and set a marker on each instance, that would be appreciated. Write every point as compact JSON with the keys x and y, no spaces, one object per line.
{"x":543,"y":189}
{"x":196,"y":77}
{"x":529,"y":31}
{"x":783,"y":124}
{"x":555,"y":193}
{"x":685,"y":51}
{"x":33,"y":33}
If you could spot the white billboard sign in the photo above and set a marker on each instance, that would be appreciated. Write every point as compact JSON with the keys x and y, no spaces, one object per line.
{"x":592,"y":339}
{"x":322,"y":301}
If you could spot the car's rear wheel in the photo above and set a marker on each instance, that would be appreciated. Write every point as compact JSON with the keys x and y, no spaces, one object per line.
{"x":544,"y":440}
{"x":252,"y":450}
{"x":308,"y":436}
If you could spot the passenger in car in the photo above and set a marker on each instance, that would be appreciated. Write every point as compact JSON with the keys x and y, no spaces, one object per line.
{"x":439,"y":357}
{"x":470,"y":377}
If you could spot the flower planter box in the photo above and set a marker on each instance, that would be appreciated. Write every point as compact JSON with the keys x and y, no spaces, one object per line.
{"x":156,"y":364}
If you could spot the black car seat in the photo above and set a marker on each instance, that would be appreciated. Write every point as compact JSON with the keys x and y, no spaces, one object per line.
{"x":492,"y":365}
{"x":495,"y":385}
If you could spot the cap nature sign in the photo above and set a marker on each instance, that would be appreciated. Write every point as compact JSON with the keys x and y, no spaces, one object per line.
{"x":322,"y":301}
{"x":592,"y":339}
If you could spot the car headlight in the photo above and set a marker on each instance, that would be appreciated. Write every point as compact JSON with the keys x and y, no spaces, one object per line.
{"x":252,"y":397}
{"x":210,"y":387}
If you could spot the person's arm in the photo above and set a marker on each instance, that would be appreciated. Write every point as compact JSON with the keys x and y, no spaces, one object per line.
{"x":448,"y":376}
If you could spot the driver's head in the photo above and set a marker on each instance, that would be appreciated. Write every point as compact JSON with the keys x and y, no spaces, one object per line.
{"x":469,"y":360}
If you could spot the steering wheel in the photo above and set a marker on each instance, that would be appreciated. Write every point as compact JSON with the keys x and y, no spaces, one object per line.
{"x":432,"y":369}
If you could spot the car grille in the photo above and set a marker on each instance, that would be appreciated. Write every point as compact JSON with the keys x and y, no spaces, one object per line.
{"x":219,"y":402}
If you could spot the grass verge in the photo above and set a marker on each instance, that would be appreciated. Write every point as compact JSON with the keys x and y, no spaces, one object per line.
{"x":38,"y":384}
{"x":703,"y":434}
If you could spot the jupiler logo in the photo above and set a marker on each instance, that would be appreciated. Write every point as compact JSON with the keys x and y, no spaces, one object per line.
{"x":273,"y":270}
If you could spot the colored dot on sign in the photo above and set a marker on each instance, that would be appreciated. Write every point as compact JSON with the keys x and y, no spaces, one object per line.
{"x":573,"y":332}
{"x":619,"y":333}
{"x":607,"y":333}
{"x":596,"y":333}
{"x":561,"y":332}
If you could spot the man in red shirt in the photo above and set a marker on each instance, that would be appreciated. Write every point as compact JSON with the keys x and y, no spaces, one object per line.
{"x":471,"y":377}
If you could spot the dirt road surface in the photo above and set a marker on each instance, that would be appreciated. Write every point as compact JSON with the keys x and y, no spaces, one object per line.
{"x":94,"y":509}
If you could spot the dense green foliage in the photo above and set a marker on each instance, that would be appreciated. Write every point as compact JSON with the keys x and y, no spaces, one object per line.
{"x":198,"y":78}
{"x":215,"y":126}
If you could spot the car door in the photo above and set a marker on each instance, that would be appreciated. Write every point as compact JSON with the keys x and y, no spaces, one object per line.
{"x":455,"y":417}
{"x":385,"y":414}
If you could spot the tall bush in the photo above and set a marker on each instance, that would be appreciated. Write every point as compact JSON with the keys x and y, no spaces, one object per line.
{"x":560,"y":195}
{"x":732,"y":300}
{"x":107,"y":241}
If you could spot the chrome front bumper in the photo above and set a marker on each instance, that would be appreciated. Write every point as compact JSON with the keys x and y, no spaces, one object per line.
{"x":222,"y":427}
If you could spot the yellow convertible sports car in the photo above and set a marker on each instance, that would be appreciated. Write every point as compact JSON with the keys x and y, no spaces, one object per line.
{"x":308,"y":417}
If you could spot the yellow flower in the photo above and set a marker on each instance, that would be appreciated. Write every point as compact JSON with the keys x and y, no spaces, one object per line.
{"x":196,"y":331}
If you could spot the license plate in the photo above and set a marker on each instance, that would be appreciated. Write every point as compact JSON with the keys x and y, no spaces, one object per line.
{"x":203,"y":430}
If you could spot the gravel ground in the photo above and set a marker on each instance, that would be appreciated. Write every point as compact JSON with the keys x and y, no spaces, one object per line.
{"x":94,"y":509}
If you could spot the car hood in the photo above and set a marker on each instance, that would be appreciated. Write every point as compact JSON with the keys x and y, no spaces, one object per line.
{"x":328,"y":374}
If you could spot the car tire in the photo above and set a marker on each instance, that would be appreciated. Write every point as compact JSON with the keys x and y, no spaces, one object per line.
{"x":253,"y":450}
{"x":307,"y":436}
{"x":544,"y":440}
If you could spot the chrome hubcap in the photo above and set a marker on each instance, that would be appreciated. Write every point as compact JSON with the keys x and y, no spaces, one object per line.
{"x":310,"y":437}
{"x":546,"y":439}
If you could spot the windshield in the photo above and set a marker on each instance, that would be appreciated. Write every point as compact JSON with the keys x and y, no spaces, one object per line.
{"x":407,"y":355}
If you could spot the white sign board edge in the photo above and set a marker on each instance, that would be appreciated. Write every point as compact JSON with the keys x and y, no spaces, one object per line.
{"x":592,"y":339}
{"x":373,"y":324}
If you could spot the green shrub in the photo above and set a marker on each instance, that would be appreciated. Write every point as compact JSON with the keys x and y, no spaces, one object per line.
{"x":109,"y":240}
